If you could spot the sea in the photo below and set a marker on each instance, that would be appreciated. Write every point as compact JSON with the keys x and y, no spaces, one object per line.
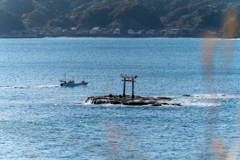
{"x":41,"y":120}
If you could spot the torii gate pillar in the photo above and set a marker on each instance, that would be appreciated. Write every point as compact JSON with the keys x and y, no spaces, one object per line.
{"x":124,"y":86}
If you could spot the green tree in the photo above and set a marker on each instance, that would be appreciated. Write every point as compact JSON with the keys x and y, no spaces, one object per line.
{"x":9,"y":22}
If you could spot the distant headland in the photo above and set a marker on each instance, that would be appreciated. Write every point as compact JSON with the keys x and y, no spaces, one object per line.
{"x":119,"y":18}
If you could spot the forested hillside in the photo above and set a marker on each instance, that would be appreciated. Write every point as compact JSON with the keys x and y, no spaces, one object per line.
{"x":9,"y":22}
{"x":124,"y":14}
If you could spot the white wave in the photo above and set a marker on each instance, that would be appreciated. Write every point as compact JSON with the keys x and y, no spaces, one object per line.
{"x":26,"y":87}
{"x":200,"y":103}
{"x":45,"y":86}
{"x":205,"y":100}
{"x":214,"y":96}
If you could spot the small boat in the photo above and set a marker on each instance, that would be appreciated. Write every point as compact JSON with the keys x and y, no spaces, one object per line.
{"x":71,"y":83}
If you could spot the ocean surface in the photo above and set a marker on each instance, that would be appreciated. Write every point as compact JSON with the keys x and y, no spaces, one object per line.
{"x":41,"y":120}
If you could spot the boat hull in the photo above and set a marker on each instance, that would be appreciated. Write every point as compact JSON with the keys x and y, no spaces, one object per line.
{"x":73,"y":84}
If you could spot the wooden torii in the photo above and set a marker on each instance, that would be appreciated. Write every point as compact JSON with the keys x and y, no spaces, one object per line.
{"x":127,"y":78}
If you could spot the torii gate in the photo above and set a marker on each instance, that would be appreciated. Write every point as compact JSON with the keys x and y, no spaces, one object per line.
{"x":127,"y":78}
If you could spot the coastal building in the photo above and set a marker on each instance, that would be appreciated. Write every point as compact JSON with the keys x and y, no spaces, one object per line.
{"x":116,"y":31}
{"x":103,"y":30}
{"x":174,"y":31}
{"x":201,"y":29}
{"x":212,"y":32}
{"x":57,"y":29}
{"x":130,"y":31}
{"x":110,"y":31}
{"x":64,"y":31}
{"x":163,"y":31}
{"x":80,"y":32}
{"x":152,"y":32}
{"x":73,"y":29}
{"x":95,"y":30}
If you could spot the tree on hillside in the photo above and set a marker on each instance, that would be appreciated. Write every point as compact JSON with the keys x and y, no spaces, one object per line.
{"x":136,"y":13}
{"x":9,"y":22}
{"x":140,"y":14}
{"x":59,"y":21}
{"x":18,"y":7}
{"x":212,"y":20}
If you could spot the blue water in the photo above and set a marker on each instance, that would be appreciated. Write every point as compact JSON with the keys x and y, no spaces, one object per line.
{"x":41,"y":120}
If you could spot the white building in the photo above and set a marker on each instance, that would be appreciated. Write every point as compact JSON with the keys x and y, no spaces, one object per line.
{"x":94,"y":30}
{"x":116,"y":31}
{"x":73,"y":28}
{"x":130,"y":31}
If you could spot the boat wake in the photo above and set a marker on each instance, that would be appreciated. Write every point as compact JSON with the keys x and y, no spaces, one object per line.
{"x":27,"y":87}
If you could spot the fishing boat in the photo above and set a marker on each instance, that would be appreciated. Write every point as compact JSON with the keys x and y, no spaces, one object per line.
{"x":71,"y":83}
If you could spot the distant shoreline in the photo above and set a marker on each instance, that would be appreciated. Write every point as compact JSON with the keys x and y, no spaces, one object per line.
{"x":126,"y":36}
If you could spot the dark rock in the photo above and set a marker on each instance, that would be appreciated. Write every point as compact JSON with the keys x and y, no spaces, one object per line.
{"x":135,"y":103}
{"x":186,"y":95}
{"x":164,"y":98}
{"x":177,"y":104}
{"x":152,"y":102}
{"x":115,"y":102}
{"x":128,"y":100}
{"x":164,"y":103}
{"x":156,"y":104}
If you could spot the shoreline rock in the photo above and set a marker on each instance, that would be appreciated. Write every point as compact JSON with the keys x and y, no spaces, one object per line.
{"x":128,"y":100}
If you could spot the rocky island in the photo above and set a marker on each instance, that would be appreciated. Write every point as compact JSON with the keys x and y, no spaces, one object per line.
{"x":128,"y":100}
